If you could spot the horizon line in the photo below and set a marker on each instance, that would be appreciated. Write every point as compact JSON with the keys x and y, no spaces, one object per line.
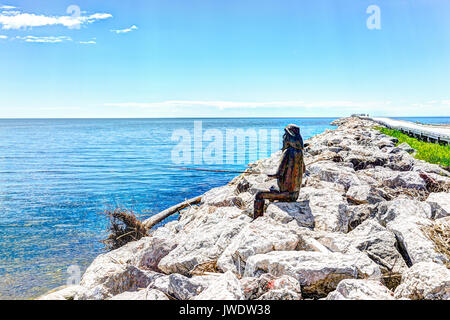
{"x":205,"y":117}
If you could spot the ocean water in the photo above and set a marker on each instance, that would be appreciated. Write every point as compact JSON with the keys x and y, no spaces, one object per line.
{"x":58,"y":175}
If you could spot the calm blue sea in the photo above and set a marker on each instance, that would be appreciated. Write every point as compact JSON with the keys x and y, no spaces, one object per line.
{"x":58,"y":175}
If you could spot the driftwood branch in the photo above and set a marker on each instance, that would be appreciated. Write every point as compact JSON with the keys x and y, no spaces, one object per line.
{"x":153,"y":220}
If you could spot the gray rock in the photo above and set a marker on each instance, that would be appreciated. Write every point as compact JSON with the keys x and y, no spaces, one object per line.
{"x":366,"y":194}
{"x":408,"y":180}
{"x":381,"y":247}
{"x":226,"y":287}
{"x":440,"y":204}
{"x":144,"y":294}
{"x":425,"y":280}
{"x":284,"y":287}
{"x":407,"y":220}
{"x":328,"y":208}
{"x":318,"y":273}
{"x":205,"y":244}
{"x":160,"y":282}
{"x":65,"y":293}
{"x":222,"y":197}
{"x":104,"y":279}
{"x":183,"y":288}
{"x":406,"y":147}
{"x":331,"y":172}
{"x":357,"y":289}
{"x":285,"y":212}
{"x":261,"y":236}
{"x":357,"y":214}
{"x":280,"y":294}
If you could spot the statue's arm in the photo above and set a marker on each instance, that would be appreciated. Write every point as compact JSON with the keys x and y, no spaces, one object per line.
{"x":281,"y":166}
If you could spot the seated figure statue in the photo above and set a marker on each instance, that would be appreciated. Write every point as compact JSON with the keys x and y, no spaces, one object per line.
{"x":289,"y":174}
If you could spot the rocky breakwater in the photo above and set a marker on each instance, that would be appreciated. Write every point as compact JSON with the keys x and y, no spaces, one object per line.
{"x":371,"y":222}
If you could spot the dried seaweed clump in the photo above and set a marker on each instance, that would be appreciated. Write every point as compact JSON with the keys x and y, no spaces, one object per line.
{"x":124,"y":227}
{"x":205,"y":268}
{"x":440,"y":235}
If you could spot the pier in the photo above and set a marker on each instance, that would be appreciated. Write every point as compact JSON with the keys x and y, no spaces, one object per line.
{"x":428,"y":133}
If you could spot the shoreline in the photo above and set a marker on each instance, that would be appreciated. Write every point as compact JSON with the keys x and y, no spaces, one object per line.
{"x":356,"y":231}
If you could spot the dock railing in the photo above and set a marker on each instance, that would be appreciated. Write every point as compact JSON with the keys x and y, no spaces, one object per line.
{"x":426,"y":133}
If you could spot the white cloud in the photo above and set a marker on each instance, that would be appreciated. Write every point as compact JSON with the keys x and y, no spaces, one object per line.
{"x":17,"y":20}
{"x":133,"y":27}
{"x":6,"y":7}
{"x":88,"y":42}
{"x":57,"y":39}
{"x":239,"y":104}
{"x":3,"y":37}
{"x":387,"y":107}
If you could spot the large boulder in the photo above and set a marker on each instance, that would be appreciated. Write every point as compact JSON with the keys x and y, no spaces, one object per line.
{"x":407,"y":219}
{"x":144,"y":294}
{"x":285,"y":212}
{"x":104,"y":279}
{"x":222,"y":197}
{"x":64,"y":293}
{"x":261,"y":236}
{"x":406,"y":147}
{"x":204,"y":243}
{"x":425,"y":280}
{"x":363,"y":194}
{"x":127,"y":268}
{"x":440,"y":204}
{"x":318,"y":273}
{"x":226,"y":287}
{"x":360,"y":289}
{"x":377,"y":242}
{"x":408,"y":180}
{"x":270,"y":287}
{"x":331,"y":172}
{"x":381,"y":247}
{"x":357,"y":214}
{"x":328,"y":208}
{"x":184,"y":288}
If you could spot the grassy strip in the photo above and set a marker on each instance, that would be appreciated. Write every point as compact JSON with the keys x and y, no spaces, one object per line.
{"x":430,"y":152}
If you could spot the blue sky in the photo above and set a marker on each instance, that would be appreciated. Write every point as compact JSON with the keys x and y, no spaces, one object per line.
{"x":216,"y":58}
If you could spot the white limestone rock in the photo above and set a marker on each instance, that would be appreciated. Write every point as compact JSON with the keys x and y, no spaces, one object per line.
{"x":104,"y":279}
{"x":425,"y":280}
{"x":360,"y":289}
{"x":332,"y":172}
{"x":280,"y":294}
{"x":366,"y":194}
{"x":144,"y":294}
{"x":203,"y":244}
{"x":222,"y":197}
{"x":328,"y":208}
{"x":406,"y":219}
{"x":318,"y":273}
{"x":226,"y":287}
{"x":261,"y":236}
{"x":440,"y":204}
{"x":270,"y":287}
{"x":285,"y":212}
{"x":65,"y":293}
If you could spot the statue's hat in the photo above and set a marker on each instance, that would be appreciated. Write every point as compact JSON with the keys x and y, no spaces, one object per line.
{"x":292,"y":129}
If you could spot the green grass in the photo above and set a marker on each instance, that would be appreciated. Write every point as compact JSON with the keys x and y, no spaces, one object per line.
{"x":430,"y":152}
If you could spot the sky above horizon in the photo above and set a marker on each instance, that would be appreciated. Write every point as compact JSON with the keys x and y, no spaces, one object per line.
{"x":215,"y":58}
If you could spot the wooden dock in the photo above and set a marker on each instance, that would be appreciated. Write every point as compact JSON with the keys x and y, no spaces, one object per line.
{"x":428,"y":133}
